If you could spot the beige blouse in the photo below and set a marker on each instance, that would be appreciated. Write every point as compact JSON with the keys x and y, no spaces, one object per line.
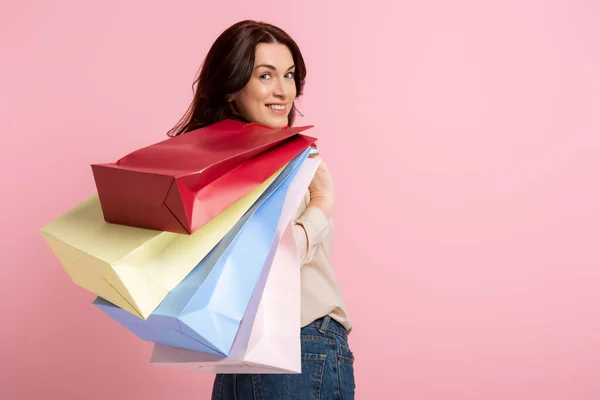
{"x":321,"y":294}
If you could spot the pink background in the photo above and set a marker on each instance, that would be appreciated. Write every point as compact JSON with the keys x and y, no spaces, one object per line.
{"x":464,"y":140}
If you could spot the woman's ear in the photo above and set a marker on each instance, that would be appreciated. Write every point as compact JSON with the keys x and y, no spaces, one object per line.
{"x":231,"y":103}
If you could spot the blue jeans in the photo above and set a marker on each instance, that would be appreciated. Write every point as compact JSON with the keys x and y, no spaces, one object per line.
{"x":327,"y":371}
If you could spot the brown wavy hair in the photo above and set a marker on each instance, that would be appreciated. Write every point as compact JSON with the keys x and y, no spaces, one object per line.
{"x":227,"y":69}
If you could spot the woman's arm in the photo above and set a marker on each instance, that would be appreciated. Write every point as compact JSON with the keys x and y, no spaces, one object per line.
{"x":310,"y":230}
{"x":312,"y":227}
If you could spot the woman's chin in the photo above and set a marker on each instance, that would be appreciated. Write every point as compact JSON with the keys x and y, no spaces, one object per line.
{"x":278,"y":121}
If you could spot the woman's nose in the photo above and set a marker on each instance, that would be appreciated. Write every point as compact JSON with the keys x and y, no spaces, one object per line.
{"x":281,"y":88}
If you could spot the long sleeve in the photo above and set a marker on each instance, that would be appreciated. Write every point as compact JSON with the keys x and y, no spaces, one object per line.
{"x":310,"y":229}
{"x":321,"y":294}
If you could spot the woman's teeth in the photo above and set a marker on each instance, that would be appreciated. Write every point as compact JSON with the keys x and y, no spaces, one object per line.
{"x":276,"y":107}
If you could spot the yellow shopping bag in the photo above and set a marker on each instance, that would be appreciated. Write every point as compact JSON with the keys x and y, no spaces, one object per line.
{"x":134,"y":268}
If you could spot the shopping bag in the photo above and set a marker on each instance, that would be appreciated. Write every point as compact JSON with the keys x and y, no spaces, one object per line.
{"x":203,"y":313}
{"x":268,"y":340}
{"x":181,"y":183}
{"x":131,"y":267}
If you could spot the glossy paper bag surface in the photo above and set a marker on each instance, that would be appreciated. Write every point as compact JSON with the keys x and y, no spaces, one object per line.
{"x":134,"y":268}
{"x":268,"y":340}
{"x":204,"y":312}
{"x":179,"y":184}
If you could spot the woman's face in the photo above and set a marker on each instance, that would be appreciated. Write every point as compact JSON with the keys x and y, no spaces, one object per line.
{"x":268,"y":97}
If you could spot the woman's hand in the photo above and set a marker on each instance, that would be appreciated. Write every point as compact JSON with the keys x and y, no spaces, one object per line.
{"x":322,"y":193}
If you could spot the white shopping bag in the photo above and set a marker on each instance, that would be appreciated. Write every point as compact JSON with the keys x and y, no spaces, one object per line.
{"x":268,"y":340}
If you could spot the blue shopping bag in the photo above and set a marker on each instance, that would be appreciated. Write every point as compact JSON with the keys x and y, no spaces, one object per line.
{"x":204,"y":312}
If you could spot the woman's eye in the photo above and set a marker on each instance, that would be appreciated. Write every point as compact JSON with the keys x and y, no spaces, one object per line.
{"x":266,"y":75}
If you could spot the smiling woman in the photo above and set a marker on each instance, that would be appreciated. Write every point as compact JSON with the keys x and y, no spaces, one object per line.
{"x":269,"y":95}
{"x":254,"y":72}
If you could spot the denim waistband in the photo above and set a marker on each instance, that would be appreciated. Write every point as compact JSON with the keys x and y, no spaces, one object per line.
{"x":329,"y":324}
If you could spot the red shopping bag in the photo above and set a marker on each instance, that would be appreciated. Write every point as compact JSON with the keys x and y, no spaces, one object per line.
{"x":181,"y":183}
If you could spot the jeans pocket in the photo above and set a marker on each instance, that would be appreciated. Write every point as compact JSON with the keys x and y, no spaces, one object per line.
{"x":345,"y":368}
{"x":304,"y":386}
{"x":313,"y":368}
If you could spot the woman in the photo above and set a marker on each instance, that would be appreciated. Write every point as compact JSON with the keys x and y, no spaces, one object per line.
{"x":254,"y":72}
